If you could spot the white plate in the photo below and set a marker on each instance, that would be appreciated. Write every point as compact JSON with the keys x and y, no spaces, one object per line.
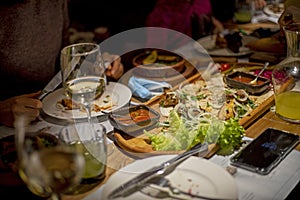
{"x":268,"y":10}
{"x":209,"y":44}
{"x":195,"y":175}
{"x":119,"y":93}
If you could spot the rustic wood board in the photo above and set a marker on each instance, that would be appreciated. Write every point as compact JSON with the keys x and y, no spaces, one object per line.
{"x":140,"y":146}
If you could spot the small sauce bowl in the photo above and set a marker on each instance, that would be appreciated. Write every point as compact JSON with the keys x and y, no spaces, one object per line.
{"x":241,"y":80}
{"x":133,"y":120}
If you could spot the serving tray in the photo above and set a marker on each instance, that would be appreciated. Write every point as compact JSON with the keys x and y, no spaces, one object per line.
{"x":140,"y":146}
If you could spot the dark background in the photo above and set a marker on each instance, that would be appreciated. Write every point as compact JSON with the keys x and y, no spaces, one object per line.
{"x":118,"y":15}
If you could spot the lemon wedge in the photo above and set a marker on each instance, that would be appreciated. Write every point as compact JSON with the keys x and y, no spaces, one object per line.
{"x":151,"y":58}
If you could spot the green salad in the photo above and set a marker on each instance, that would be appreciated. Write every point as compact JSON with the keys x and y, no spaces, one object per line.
{"x":183,"y":133}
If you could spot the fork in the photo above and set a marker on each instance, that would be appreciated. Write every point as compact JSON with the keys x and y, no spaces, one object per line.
{"x":161,"y":193}
{"x":162,"y":188}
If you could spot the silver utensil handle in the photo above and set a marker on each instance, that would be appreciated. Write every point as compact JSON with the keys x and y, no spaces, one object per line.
{"x":169,"y":166}
{"x":42,"y":94}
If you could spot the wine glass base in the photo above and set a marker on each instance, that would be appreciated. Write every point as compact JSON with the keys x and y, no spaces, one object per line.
{"x":296,"y":121}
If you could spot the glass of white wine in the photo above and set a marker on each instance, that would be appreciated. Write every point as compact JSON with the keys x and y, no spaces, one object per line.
{"x":83,"y":74}
{"x":47,"y":166}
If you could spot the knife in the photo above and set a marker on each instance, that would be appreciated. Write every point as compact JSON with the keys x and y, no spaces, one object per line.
{"x":55,"y":81}
{"x":163,"y":169}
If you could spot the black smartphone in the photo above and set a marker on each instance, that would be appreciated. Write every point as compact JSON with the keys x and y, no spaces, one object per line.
{"x":266,"y":151}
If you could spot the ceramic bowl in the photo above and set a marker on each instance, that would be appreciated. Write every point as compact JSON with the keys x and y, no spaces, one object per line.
{"x":241,"y":80}
{"x":133,"y":120}
{"x":160,"y":68}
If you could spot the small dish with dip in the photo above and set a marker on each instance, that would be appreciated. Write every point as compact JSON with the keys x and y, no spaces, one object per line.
{"x":133,"y":120}
{"x":241,"y":80}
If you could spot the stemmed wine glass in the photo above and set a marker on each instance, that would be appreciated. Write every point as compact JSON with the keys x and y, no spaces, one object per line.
{"x":48,"y":167}
{"x":83,"y":74}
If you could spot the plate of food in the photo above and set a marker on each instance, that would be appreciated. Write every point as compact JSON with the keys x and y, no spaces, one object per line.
{"x":225,"y":44}
{"x":57,"y":105}
{"x":275,"y":9}
{"x":157,"y":63}
{"x":212,"y":181}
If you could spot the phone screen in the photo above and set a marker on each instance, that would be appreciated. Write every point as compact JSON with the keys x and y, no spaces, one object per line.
{"x":266,"y":151}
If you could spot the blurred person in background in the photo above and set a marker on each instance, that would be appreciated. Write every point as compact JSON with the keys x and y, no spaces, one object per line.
{"x":194,"y":18}
{"x":191,"y":17}
{"x":31,"y":36}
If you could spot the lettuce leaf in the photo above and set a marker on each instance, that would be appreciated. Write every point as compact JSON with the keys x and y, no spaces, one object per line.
{"x":184,"y":133}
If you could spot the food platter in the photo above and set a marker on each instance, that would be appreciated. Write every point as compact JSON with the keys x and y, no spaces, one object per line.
{"x":212,"y":180}
{"x":118,"y":94}
{"x":140,"y":146}
{"x":209,"y":44}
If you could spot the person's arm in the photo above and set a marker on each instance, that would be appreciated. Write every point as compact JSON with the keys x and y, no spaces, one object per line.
{"x":26,"y":104}
{"x":260,"y":4}
{"x":218,"y":26}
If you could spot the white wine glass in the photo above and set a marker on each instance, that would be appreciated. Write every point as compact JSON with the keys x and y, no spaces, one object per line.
{"x":47,"y":166}
{"x":83,"y":74}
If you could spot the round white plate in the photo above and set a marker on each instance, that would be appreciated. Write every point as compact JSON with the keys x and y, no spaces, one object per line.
{"x":119,"y":93}
{"x":268,"y":10}
{"x":196,"y":175}
{"x":209,"y":44}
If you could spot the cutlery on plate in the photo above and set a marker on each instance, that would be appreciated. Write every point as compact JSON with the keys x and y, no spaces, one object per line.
{"x":52,"y":85}
{"x":138,"y":182}
{"x":159,"y":192}
{"x":161,"y":187}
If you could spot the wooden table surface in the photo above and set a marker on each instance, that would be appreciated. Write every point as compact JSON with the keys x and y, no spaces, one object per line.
{"x":118,"y":159}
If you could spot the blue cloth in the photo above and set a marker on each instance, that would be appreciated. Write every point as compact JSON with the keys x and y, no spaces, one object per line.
{"x":146,"y":89}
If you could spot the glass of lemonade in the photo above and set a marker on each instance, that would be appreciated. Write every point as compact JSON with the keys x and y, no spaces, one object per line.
{"x":244,"y":10}
{"x":286,"y":77}
{"x":91,"y":142}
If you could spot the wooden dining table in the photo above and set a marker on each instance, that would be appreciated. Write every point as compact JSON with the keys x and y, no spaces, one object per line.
{"x":266,"y":119}
{"x":119,"y":158}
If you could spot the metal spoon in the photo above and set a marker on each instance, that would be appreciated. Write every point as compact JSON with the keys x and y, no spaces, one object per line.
{"x":254,"y":81}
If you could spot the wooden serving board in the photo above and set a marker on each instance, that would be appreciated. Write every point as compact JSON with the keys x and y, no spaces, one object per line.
{"x":140,"y":146}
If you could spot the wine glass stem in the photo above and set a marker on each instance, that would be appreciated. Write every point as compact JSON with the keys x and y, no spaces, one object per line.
{"x":89,"y":114}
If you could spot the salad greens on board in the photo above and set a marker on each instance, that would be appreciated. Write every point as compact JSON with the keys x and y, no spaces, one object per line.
{"x":183,"y":133}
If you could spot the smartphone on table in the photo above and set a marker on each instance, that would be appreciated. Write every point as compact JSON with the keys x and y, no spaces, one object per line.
{"x":266,"y":151}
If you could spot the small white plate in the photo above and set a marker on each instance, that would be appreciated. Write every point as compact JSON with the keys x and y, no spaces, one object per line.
{"x":119,"y":93}
{"x":209,"y":44}
{"x":195,"y":175}
{"x":268,"y":10}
